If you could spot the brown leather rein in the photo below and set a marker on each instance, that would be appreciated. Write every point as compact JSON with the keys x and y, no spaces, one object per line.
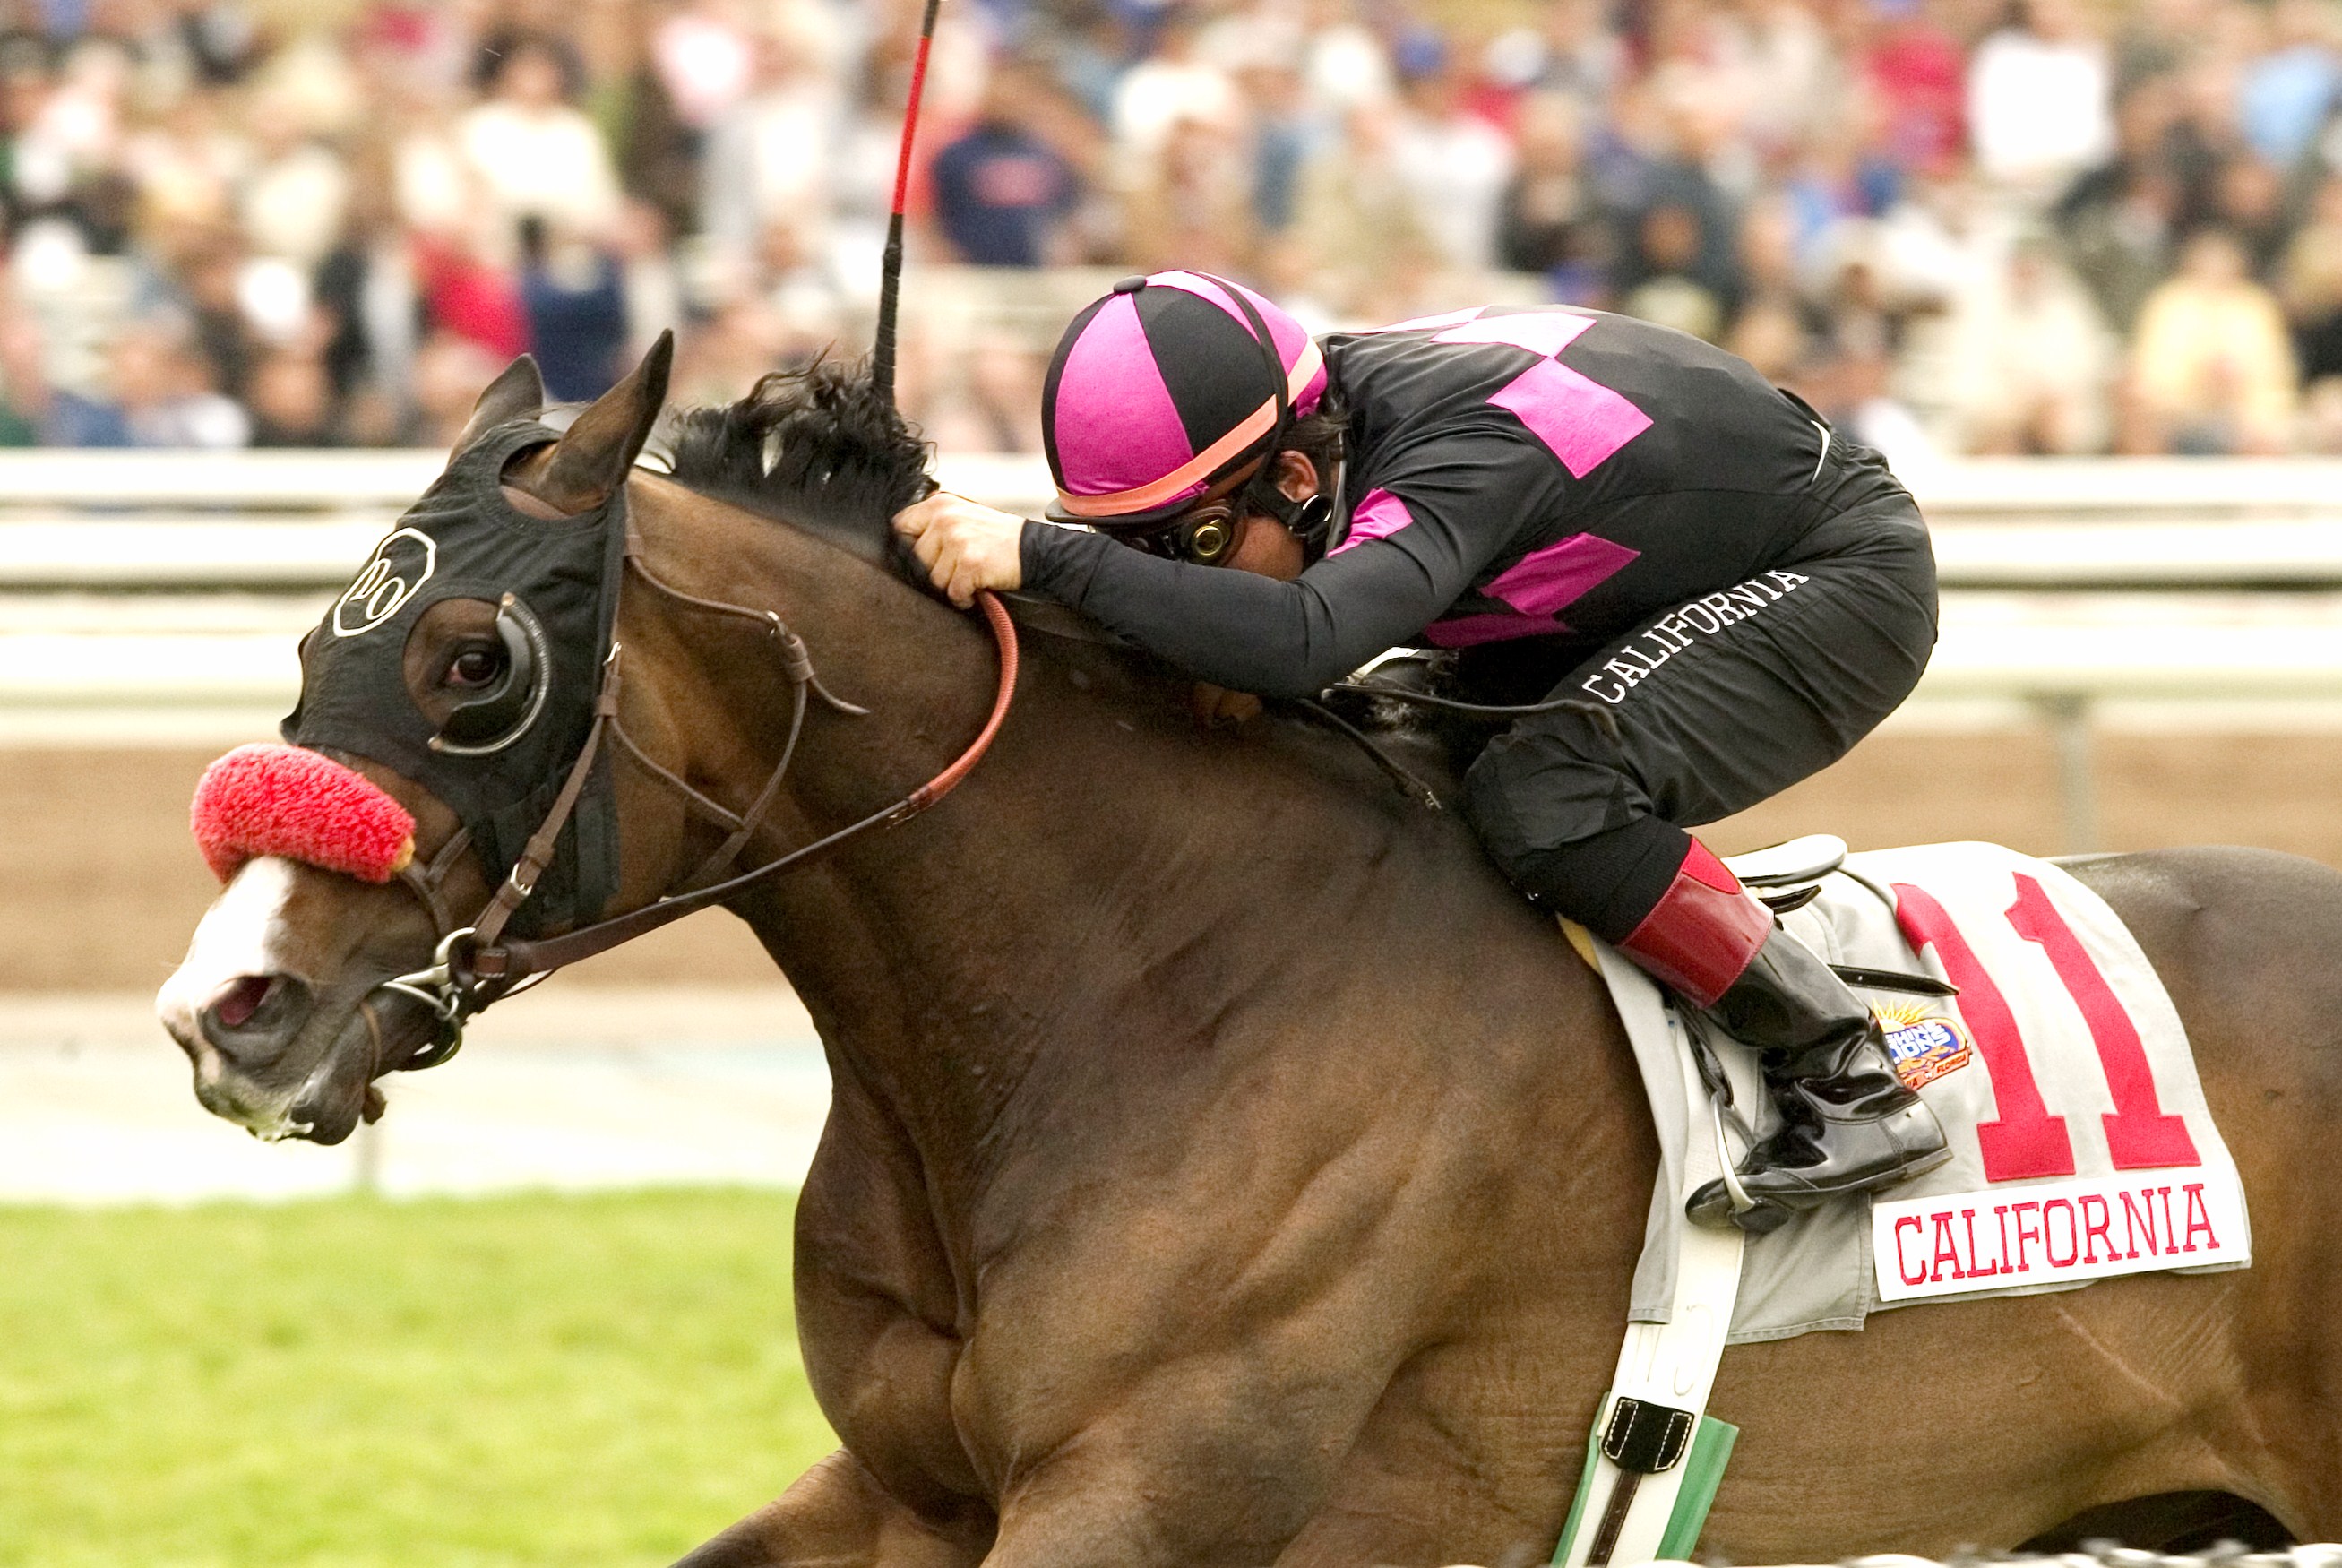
{"x":476,"y":964}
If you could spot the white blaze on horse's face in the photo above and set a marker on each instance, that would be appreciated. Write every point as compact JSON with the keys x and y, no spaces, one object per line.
{"x":243,"y":934}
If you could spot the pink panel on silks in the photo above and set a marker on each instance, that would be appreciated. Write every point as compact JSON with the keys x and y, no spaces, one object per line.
{"x":1540,"y":332}
{"x":1547,"y":581}
{"x":1470,"y":631}
{"x":1584,"y":421}
{"x":1378,"y":516}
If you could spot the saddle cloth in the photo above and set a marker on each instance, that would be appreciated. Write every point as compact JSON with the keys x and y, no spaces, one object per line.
{"x":2082,"y":1146}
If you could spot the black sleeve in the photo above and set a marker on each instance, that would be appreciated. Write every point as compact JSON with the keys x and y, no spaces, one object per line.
{"x":1238,"y":629}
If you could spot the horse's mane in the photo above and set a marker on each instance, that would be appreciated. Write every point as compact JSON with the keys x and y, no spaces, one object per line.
{"x":817,"y":448}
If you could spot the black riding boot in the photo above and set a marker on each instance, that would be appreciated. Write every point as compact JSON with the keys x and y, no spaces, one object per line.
{"x":1849,"y":1122}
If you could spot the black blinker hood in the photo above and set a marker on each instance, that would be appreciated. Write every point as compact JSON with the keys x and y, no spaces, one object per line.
{"x":463,"y":540}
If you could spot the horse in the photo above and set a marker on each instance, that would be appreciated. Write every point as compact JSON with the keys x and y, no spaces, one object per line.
{"x":1226,"y":1165}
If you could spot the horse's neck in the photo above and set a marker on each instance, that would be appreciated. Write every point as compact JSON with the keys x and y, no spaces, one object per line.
{"x":1106,"y":873}
{"x":1109,"y":882}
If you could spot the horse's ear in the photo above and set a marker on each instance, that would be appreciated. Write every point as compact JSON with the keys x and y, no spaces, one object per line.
{"x":517,"y":394}
{"x":593,"y":457}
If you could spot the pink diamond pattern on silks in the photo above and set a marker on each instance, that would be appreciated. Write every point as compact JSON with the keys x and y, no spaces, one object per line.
{"x":1378,"y":516}
{"x":1550,"y":580}
{"x":1583,"y":421}
{"x":1540,"y":332}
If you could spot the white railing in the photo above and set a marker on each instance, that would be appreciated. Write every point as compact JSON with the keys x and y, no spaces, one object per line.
{"x":280,"y":521}
{"x":152,"y":595}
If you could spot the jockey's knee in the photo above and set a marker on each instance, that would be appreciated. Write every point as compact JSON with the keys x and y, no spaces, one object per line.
{"x":1572,"y":832}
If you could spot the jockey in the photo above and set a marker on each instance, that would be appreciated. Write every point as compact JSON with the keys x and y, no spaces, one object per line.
{"x":1578,"y":504}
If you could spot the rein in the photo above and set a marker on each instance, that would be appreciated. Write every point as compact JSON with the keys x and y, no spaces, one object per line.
{"x":476,"y":964}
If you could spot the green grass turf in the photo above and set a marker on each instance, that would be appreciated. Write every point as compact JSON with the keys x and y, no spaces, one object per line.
{"x":456,"y":1383}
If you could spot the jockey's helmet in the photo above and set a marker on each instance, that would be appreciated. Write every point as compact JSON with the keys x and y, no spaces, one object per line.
{"x":1165,"y":387}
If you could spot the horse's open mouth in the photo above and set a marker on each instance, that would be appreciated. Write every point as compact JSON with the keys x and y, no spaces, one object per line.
{"x":325,"y":1106}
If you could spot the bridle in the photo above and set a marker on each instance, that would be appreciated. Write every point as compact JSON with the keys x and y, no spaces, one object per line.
{"x":474,"y":964}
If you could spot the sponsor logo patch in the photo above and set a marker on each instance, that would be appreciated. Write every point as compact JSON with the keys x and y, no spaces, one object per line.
{"x":1922,"y":1048}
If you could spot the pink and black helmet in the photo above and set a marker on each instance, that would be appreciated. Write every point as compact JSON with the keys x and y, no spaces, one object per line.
{"x":1165,"y":386}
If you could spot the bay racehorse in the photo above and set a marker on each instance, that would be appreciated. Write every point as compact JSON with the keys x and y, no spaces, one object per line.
{"x":1225,"y":1165}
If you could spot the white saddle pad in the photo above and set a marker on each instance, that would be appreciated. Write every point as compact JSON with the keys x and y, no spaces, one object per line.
{"x":2082,"y":1146}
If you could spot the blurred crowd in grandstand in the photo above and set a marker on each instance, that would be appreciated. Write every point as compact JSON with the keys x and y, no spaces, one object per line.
{"x":1955,"y":225}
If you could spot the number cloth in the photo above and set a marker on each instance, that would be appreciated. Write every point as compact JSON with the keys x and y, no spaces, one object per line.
{"x":1586,"y":505}
{"x":2081,"y":1146}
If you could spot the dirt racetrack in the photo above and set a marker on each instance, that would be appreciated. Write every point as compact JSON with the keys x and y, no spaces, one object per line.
{"x":100,"y":885}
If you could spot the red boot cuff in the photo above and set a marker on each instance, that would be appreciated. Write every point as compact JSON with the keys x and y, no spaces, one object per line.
{"x":1700,"y":935}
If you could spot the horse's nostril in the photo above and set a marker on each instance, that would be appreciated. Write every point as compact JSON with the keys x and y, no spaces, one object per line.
{"x":254,"y":1017}
{"x":235,"y":1005}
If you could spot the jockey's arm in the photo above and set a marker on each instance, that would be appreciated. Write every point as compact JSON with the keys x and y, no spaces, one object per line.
{"x":1236,"y":629}
{"x":1232,"y":628}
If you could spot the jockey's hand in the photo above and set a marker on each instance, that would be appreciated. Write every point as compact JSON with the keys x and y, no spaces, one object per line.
{"x":964,"y":546}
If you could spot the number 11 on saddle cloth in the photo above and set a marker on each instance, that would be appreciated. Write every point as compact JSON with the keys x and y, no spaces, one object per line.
{"x":2083,"y":1149}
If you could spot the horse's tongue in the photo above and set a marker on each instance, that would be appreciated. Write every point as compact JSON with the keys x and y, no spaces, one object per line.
{"x":241,"y":999}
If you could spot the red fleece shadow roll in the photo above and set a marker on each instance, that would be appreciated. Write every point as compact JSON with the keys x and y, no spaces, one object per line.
{"x":281,"y":800}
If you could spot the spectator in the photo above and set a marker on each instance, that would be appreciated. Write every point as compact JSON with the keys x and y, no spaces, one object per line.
{"x":805,"y":310}
{"x":704,"y":61}
{"x":1454,"y":163}
{"x":2039,"y":100}
{"x":449,"y":374}
{"x":1548,"y":221}
{"x":1001,"y":193}
{"x":298,"y":194}
{"x":574,"y":297}
{"x":1701,"y":213}
{"x":292,"y":399}
{"x":2285,"y":95}
{"x":1862,"y":402}
{"x":2031,"y":359}
{"x":364,"y":293}
{"x":1914,"y":69}
{"x":2121,"y":220}
{"x":1771,"y":338}
{"x":1172,"y":84}
{"x":204,"y":215}
{"x":1670,"y":242}
{"x":772,"y":153}
{"x":470,"y":295}
{"x":1276,"y":140}
{"x":1193,"y":207}
{"x":532,"y":154}
{"x":2311,"y":284}
{"x":158,"y":394}
{"x":1357,"y":222}
{"x":2211,"y":365}
{"x":1344,"y":66}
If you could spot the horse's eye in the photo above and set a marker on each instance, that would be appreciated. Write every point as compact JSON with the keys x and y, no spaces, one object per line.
{"x":476,"y":666}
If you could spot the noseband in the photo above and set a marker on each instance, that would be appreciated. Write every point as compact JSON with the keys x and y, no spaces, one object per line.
{"x":475,"y":965}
